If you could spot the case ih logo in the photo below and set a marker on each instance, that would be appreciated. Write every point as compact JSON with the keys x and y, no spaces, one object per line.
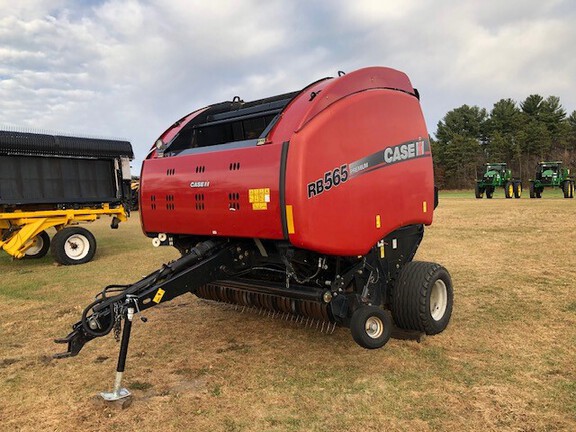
{"x":199,"y":184}
{"x":389,"y":156}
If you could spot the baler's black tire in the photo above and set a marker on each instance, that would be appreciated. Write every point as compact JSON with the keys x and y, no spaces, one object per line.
{"x":489,"y":192}
{"x":39,"y":248}
{"x":74,"y":245}
{"x":478,"y":192}
{"x":532,"y":191}
{"x":509,"y":189}
{"x":423,"y":297}
{"x":371,"y":327}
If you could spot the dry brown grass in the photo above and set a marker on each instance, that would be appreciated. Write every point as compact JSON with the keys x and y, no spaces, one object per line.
{"x":505,"y":363}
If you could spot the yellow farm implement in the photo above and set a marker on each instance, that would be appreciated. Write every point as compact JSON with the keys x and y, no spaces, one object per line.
{"x":56,"y":181}
{"x":23,"y":234}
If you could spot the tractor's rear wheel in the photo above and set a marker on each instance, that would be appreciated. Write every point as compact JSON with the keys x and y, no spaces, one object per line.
{"x":479,"y":191}
{"x":371,"y":327}
{"x":517,"y":190}
{"x":73,"y":245}
{"x":39,"y":248}
{"x":423,"y":297}
{"x":509,"y":190}
{"x":567,"y":188}
{"x":572,"y":190}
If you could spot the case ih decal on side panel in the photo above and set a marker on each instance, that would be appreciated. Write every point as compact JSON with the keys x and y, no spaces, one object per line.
{"x":391,"y":155}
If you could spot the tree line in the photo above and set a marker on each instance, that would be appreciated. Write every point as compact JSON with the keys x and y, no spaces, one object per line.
{"x":521,"y":135}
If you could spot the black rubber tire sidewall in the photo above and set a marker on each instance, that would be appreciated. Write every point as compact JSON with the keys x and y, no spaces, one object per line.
{"x":411,"y":297}
{"x":45,"y":247}
{"x":358,"y":323}
{"x":59,"y":242}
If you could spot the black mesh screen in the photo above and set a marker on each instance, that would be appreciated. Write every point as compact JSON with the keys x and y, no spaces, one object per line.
{"x":34,"y":180}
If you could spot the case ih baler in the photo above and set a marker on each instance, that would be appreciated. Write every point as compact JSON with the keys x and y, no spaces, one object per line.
{"x":310,"y":203}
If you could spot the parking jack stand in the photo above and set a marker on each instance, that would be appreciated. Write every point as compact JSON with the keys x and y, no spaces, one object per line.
{"x":118,"y":392}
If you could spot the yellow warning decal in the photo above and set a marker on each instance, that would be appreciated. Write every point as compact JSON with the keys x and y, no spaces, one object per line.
{"x":259,"y":198}
{"x":290,"y":219}
{"x":424,"y":206}
{"x":158,"y":297}
{"x":378,"y":222}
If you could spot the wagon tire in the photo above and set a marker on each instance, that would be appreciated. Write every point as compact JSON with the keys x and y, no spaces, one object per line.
{"x":423,"y":298}
{"x":75,"y":245}
{"x":371,"y":327}
{"x":532,"y":191}
{"x":39,"y":248}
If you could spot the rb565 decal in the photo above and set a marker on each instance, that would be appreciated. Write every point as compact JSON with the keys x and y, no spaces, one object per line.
{"x":390,"y":155}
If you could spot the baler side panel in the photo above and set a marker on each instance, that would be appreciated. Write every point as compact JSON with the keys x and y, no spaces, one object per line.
{"x":231,"y":193}
{"x":350,"y":218}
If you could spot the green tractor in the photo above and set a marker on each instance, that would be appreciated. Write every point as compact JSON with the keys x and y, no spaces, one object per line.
{"x":551,"y":174}
{"x":498,"y":175}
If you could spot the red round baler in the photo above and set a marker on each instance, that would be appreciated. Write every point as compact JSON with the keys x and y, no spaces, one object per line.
{"x":309,"y":204}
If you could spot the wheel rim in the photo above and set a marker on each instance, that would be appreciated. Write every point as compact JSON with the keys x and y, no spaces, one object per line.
{"x":77,"y":247}
{"x":438,"y":300}
{"x":374,"y":327}
{"x":510,"y":190}
{"x":36,"y":246}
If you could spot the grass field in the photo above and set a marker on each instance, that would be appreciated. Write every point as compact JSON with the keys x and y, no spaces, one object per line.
{"x":507,"y":361}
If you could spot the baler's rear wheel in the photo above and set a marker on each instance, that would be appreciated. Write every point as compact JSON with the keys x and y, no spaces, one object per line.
{"x":74,"y":245}
{"x":423,"y":298}
{"x":371,"y":327}
{"x":39,"y":248}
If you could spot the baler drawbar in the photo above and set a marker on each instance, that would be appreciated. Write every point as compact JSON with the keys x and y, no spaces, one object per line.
{"x":296,"y":204}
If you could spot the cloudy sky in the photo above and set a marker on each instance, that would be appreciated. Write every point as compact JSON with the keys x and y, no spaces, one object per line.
{"x":130,"y":68}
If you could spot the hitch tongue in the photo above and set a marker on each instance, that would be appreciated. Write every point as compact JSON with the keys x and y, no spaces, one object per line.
{"x":75,"y":340}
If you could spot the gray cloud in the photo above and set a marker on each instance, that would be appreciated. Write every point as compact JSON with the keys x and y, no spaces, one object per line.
{"x":130,"y":68}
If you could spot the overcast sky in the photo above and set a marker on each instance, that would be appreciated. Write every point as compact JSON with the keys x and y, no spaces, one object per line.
{"x":130,"y":68}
